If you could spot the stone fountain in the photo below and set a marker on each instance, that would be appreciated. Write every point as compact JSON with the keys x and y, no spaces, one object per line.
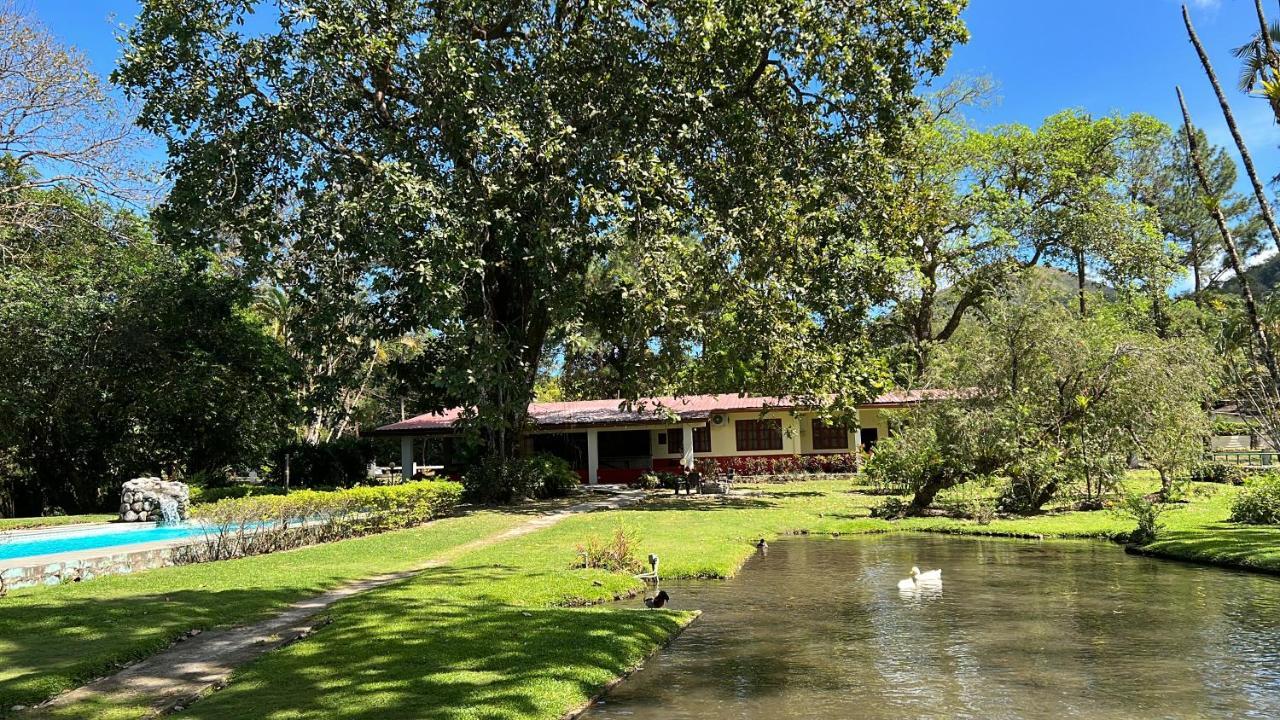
{"x":150,"y":499}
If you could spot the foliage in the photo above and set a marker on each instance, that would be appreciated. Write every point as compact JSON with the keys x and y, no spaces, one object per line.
{"x":474,"y":165}
{"x":1052,"y":401}
{"x":1147,"y":514}
{"x":982,"y":208}
{"x":615,"y":554}
{"x":259,"y":524}
{"x":502,"y":480}
{"x":338,"y":463}
{"x":1259,"y":502}
{"x":207,"y":494}
{"x":1224,"y":426}
{"x":1216,"y":471}
{"x":123,"y":359}
{"x":945,"y":445}
{"x":63,"y":130}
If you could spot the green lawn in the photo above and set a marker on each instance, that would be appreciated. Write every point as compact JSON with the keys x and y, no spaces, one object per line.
{"x":52,"y":639}
{"x":39,"y":522}
{"x":496,"y":633}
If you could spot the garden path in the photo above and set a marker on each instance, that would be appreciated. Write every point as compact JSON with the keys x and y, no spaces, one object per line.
{"x":188,"y":669}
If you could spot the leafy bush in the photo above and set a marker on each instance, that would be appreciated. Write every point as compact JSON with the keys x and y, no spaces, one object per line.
{"x":1146,"y":513}
{"x":1259,"y":502}
{"x":1216,"y":471}
{"x":615,"y":554}
{"x":708,"y":468}
{"x":1034,"y":479}
{"x":268,"y":523}
{"x":201,"y":494}
{"x":981,"y":512}
{"x":501,"y":480}
{"x":649,"y":481}
{"x":341,"y":463}
{"x":550,"y":476}
{"x":891,"y":508}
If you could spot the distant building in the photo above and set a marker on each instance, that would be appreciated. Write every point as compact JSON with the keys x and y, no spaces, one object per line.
{"x":611,"y":441}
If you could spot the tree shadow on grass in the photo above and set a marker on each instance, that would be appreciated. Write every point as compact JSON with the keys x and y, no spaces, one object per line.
{"x":416,"y":652}
{"x":701,"y":503}
{"x":49,"y":643}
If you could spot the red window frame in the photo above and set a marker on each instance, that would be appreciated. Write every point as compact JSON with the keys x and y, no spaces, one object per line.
{"x":829,"y":437}
{"x":675,"y":441}
{"x":758,"y":434}
{"x":702,"y":439}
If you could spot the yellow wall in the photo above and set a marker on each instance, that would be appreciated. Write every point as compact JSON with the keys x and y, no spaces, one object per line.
{"x":797,"y":435}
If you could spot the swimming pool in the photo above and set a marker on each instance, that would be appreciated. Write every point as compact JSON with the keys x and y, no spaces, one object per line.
{"x":48,"y":542}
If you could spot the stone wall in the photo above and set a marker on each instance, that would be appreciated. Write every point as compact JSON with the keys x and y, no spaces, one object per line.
{"x":56,"y":573}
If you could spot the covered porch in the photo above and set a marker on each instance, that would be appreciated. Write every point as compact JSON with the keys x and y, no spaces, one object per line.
{"x":599,"y":455}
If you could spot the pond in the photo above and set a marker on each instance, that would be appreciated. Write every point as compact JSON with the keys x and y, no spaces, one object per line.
{"x":818,"y":628}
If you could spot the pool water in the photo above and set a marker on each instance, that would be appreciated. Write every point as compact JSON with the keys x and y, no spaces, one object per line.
{"x":818,"y":629}
{"x":18,"y":546}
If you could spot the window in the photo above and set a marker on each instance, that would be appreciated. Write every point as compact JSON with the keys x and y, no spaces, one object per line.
{"x":870,"y":436}
{"x":702,"y":439}
{"x":829,"y":437}
{"x":759,"y":434}
{"x":662,"y":438}
{"x":675,"y":441}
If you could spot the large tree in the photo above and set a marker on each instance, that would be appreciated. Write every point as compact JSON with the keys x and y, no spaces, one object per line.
{"x":121,"y":358}
{"x":476,"y":161}
{"x":977,"y":209}
{"x":59,"y":127}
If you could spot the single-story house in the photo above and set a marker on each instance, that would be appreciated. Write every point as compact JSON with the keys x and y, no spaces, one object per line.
{"x":613,"y":441}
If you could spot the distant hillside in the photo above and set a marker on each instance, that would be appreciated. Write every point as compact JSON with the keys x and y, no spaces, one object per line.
{"x":1264,"y":276}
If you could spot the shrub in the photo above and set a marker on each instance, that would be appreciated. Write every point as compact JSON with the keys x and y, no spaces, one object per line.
{"x":1146,"y":513}
{"x":708,"y":468}
{"x":649,"y":481}
{"x":891,"y":508}
{"x":615,"y":554}
{"x":550,"y":476}
{"x":981,"y":512}
{"x":259,"y":524}
{"x":214,"y":494}
{"x":1217,"y":471}
{"x":341,"y":463}
{"x":1259,"y":502}
{"x":501,"y":480}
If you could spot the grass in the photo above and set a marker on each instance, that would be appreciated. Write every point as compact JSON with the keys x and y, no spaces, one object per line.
{"x":53,"y":639}
{"x":497,"y":633}
{"x":51,"y":521}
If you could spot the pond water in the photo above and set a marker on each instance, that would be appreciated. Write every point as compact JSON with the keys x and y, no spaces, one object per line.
{"x":818,"y":628}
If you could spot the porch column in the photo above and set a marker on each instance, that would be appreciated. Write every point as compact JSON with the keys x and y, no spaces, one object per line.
{"x":687,"y":458}
{"x":406,"y":457}
{"x":593,"y":456}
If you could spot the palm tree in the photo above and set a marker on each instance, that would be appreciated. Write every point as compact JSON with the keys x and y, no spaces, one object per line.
{"x":275,"y":307}
{"x":1246,"y":159}
{"x":1260,"y":64}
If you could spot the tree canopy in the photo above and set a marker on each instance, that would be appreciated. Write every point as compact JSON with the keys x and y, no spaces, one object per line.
{"x":474,"y":164}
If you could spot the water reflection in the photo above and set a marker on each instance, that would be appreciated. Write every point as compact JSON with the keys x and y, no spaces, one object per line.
{"x":819,"y":629}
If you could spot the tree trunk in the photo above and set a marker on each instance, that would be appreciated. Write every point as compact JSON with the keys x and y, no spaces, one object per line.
{"x":1263,"y":204}
{"x":1229,"y":243}
{"x":1080,"y":280}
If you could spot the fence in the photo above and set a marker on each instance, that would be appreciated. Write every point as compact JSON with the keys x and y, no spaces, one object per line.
{"x":1247,"y":458}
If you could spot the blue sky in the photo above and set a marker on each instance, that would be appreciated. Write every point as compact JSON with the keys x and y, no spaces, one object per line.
{"x":1045,"y":55}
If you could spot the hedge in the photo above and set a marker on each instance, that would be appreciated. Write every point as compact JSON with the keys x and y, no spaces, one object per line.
{"x":268,"y":523}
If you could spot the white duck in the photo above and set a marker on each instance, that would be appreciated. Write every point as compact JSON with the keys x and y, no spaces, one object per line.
{"x":920,"y":578}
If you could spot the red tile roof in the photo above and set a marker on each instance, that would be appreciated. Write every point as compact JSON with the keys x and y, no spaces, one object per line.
{"x":645,"y":411}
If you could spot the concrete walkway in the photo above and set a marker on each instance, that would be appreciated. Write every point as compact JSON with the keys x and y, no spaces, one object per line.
{"x":180,"y":674}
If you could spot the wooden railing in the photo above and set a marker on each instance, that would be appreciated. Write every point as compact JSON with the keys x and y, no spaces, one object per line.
{"x":1247,"y":458}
